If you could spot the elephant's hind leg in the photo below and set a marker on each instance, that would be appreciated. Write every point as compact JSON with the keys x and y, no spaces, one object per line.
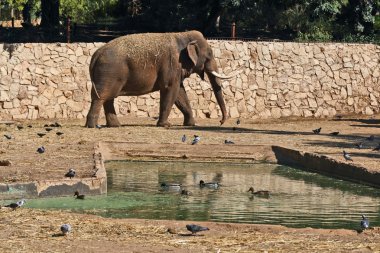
{"x":93,"y":114}
{"x":183,"y":104}
{"x":110,"y":113}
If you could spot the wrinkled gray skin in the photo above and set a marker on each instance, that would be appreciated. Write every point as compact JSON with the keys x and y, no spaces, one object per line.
{"x":138,"y":64}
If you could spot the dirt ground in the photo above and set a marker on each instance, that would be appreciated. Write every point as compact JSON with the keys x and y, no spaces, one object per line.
{"x":37,"y":230}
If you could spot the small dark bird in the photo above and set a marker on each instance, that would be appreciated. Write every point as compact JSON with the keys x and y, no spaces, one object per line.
{"x":212,"y":185}
{"x":376,"y":148}
{"x":184,"y":138}
{"x":41,"y":134}
{"x":371,"y":138}
{"x":317,"y":131}
{"x":228,"y":142}
{"x":261,"y":193}
{"x":65,"y":229}
{"x":70,"y":174}
{"x":195,"y":228}
{"x":196,"y":140}
{"x":238,"y":122}
{"x":46,"y":125}
{"x":359,"y":145}
{"x":59,"y":133}
{"x":48,"y":129}
{"x":20,"y":127}
{"x":41,"y":149}
{"x":56,"y":124}
{"x":364,"y":223}
{"x":79,"y":196}
{"x":30,"y":126}
{"x":8,"y":136}
{"x":334,"y":133}
{"x":347,"y":156}
{"x":185,"y":193}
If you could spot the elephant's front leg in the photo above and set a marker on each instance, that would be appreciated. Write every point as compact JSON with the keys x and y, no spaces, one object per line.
{"x":109,"y":111}
{"x":183,"y":104}
{"x":167,"y":97}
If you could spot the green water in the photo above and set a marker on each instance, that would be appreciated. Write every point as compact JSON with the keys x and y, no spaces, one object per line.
{"x":298,"y":198}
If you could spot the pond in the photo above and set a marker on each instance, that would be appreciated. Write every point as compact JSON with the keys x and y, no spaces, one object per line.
{"x":297,"y":198}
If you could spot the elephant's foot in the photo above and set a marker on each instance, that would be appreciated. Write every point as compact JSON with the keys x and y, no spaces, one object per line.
{"x":163,"y":124}
{"x":189,"y":122}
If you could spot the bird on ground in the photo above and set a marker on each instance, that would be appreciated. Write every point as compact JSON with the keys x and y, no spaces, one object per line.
{"x":8,"y":136}
{"x":59,"y":133}
{"x":185,"y":193}
{"x":41,"y":149}
{"x":41,"y":134}
{"x":56,"y":124}
{"x":376,"y":148}
{"x":228,"y":142}
{"x":79,"y":196}
{"x":48,"y":129}
{"x":238,"y":122}
{"x":65,"y":229}
{"x":70,"y":174}
{"x":16,"y":205}
{"x":19,"y":127}
{"x":317,"y":131}
{"x":212,"y":185}
{"x":171,"y":186}
{"x":364,"y":223}
{"x":334,"y":133}
{"x":371,"y":138}
{"x":347,"y":156}
{"x":30,"y":126}
{"x":195,"y":228}
{"x":359,"y":145}
{"x":98,"y":126}
{"x":184,"y":138}
{"x":196,"y":140}
{"x":260,"y":193}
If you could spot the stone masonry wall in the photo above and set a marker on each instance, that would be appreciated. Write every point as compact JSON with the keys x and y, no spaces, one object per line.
{"x":277,"y":79}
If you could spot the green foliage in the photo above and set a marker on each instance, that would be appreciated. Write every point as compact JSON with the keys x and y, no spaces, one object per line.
{"x":316,"y":33}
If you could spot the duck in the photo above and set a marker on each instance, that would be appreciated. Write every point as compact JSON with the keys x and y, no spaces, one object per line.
{"x":171,"y":186}
{"x":79,"y":196}
{"x":259,"y":193}
{"x":213,"y":185}
{"x":185,"y":193}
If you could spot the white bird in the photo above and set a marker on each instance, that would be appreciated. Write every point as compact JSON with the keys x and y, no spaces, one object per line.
{"x":65,"y":228}
{"x":347,"y":156}
{"x":196,"y":139}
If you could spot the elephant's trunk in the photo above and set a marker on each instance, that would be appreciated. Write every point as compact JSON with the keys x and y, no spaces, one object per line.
{"x":215,"y":83}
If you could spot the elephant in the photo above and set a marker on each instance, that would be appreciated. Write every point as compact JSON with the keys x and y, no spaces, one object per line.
{"x":138,"y":64}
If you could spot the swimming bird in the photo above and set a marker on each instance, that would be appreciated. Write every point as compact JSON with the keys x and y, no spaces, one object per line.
{"x":364,"y":223}
{"x":195,"y":228}
{"x":213,"y":185}
{"x":70,"y":174}
{"x":185,"y":193}
{"x":41,"y":134}
{"x":171,"y":186}
{"x":238,"y":122}
{"x":59,"y":133}
{"x":79,"y":196}
{"x":184,"y":138}
{"x":334,"y":133}
{"x":261,"y":192}
{"x":317,"y":131}
{"x":359,"y":145}
{"x":347,"y":156}
{"x":196,"y":139}
{"x":41,"y":149}
{"x":48,"y":129}
{"x":376,"y":148}
{"x":65,"y":229}
{"x":371,"y":138}
{"x":8,"y":136}
{"x":228,"y":142}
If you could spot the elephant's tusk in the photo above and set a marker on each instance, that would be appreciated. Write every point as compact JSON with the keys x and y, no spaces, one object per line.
{"x":225,"y":77}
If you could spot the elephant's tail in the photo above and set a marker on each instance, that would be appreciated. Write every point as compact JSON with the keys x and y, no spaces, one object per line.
{"x":96,"y":92}
{"x":92,"y":63}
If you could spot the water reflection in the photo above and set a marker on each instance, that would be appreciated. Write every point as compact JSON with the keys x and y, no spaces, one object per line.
{"x":297,"y":199}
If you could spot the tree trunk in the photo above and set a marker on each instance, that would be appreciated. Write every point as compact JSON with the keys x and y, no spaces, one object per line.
{"x":50,"y":14}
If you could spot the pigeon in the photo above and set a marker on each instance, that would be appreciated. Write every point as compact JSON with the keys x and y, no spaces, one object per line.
{"x":238,"y":122}
{"x":16,"y":205}
{"x":59,"y":133}
{"x":196,"y":139}
{"x":184,"y":138}
{"x":65,"y":229}
{"x":79,"y":196}
{"x":261,"y":193}
{"x":347,"y":156}
{"x":41,"y":134}
{"x":195,"y":228}
{"x":317,"y":131}
{"x":364,"y":223}
{"x":371,"y":138}
{"x":8,"y":136}
{"x":334,"y":133}
{"x":20,"y":127}
{"x":228,"y":142}
{"x":213,"y":185}
{"x":70,"y":174}
{"x":41,"y":149}
{"x":376,"y":148}
{"x":359,"y":145}
{"x":48,"y":129}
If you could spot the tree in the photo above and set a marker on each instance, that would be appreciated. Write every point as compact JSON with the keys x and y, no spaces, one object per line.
{"x":50,"y":14}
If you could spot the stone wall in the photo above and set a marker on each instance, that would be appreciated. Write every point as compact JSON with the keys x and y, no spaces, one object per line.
{"x":278,"y":79}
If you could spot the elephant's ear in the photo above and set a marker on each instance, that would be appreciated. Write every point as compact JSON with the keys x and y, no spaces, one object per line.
{"x":192,"y":52}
